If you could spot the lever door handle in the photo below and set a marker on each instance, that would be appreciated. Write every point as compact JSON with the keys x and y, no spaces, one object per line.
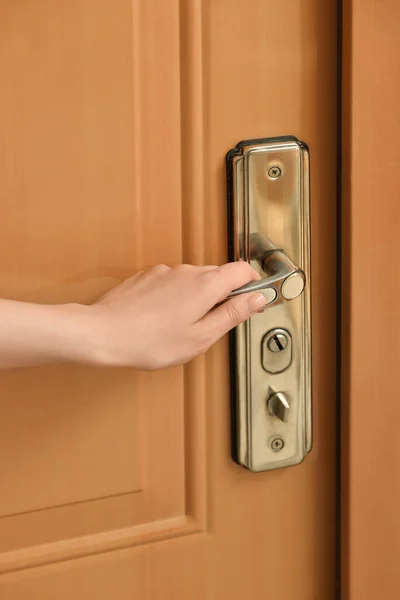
{"x":269,"y":227}
{"x":284,"y":280}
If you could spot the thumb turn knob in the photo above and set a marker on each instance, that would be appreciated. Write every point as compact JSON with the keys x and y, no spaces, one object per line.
{"x":278,"y":405}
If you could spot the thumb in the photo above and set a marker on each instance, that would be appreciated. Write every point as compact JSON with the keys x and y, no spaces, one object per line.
{"x":231,"y":313}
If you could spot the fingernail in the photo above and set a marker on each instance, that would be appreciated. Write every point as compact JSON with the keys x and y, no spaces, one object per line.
{"x":256,"y":302}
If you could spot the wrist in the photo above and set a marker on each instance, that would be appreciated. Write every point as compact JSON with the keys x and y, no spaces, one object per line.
{"x":83,"y":337}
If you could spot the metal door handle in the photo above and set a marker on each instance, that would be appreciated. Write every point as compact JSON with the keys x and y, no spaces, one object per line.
{"x":284,"y":280}
{"x":268,"y":199}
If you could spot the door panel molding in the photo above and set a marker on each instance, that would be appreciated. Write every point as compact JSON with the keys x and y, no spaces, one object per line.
{"x":175,"y":432}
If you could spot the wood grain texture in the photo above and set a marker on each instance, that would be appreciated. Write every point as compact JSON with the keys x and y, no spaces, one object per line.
{"x":371,"y":287}
{"x":167,"y":88}
{"x":88,"y":196}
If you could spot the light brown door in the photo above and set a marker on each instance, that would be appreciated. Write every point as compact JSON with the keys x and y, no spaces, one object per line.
{"x":115,"y":118}
{"x":371,"y":286}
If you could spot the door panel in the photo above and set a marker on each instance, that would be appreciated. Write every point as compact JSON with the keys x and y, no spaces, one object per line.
{"x":115,"y":121}
{"x":371,"y":377}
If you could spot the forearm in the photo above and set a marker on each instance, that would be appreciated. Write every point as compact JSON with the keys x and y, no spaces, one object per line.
{"x":33,"y":334}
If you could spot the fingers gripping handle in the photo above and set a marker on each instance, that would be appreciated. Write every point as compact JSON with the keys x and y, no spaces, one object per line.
{"x":284,"y":280}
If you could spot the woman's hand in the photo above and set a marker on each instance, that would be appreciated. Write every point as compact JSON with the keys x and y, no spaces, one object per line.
{"x":167,"y":316}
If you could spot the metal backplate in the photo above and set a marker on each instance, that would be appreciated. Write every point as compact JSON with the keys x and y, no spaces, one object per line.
{"x":268,"y":193}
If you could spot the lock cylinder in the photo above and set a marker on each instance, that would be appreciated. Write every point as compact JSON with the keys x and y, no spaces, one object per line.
{"x":276,"y":350}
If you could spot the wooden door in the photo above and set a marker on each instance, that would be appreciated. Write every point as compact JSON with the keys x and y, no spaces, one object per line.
{"x":114,"y":123}
{"x":371,"y":286}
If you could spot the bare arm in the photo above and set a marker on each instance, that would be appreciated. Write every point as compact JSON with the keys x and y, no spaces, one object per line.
{"x":155,"y":319}
{"x":34,"y":334}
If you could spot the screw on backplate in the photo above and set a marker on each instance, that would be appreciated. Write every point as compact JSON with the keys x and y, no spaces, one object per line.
{"x":274,"y":172}
{"x":277,"y":342}
{"x":277,"y":444}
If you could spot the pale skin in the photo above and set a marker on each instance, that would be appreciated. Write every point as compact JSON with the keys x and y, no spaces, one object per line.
{"x":156,"y":319}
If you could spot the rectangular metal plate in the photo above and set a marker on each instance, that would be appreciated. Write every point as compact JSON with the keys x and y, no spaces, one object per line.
{"x":268,"y":193}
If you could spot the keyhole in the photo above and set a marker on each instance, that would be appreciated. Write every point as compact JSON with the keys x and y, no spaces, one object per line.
{"x":278,"y":342}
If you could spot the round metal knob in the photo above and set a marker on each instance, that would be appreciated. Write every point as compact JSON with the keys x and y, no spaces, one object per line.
{"x":292,"y":286}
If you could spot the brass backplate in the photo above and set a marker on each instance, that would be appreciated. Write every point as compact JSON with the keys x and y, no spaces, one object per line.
{"x":268,"y":193}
